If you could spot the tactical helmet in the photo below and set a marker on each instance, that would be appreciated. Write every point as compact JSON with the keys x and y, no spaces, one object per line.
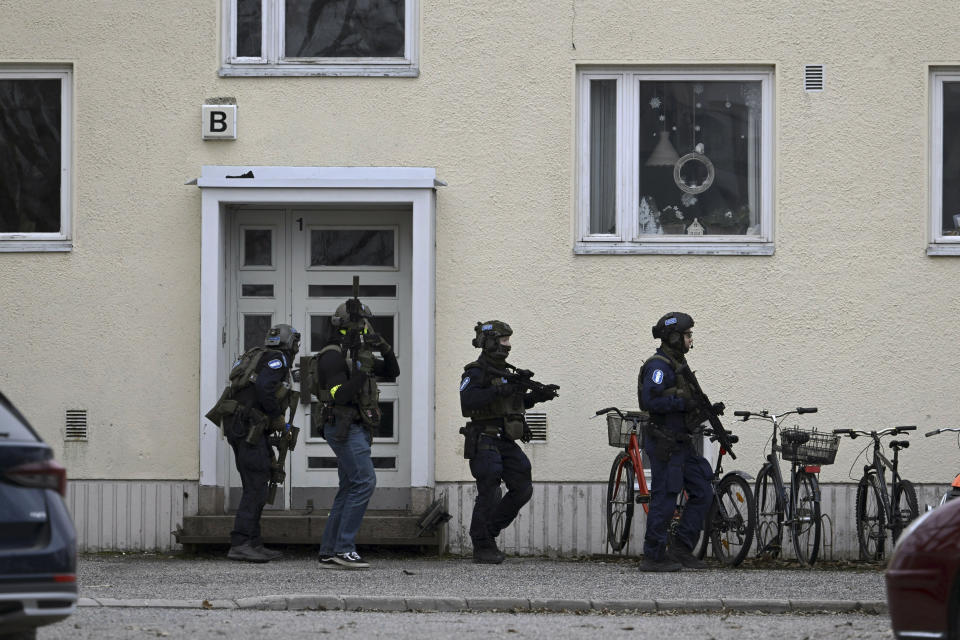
{"x":670,"y":329}
{"x":283,"y":337}
{"x":352,"y":314}
{"x":488,"y":338}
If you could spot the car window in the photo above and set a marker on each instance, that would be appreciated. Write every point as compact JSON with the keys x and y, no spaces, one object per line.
{"x":12,"y":429}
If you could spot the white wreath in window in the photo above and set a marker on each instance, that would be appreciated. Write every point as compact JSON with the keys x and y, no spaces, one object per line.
{"x":695,"y":188}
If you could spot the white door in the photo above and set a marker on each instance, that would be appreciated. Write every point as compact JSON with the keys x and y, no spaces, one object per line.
{"x":297,"y":265}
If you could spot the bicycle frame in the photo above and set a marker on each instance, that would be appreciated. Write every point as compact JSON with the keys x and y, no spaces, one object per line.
{"x":955,"y":485}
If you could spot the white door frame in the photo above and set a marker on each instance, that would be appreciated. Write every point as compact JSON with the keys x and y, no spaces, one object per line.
{"x":415,"y":187}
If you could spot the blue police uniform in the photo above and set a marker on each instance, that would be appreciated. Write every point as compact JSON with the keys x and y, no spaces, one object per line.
{"x":675,"y":465}
{"x":497,"y":460}
{"x":253,"y":460}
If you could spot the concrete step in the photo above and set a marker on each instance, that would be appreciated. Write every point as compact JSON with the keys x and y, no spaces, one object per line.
{"x":380,"y":528}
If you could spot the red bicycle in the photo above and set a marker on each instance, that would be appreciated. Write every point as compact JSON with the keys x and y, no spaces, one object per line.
{"x":627,"y":486}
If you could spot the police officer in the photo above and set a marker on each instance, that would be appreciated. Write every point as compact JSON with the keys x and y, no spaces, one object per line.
{"x":495,"y":407}
{"x":675,"y":465}
{"x":261,"y":408}
{"x":346,"y":385}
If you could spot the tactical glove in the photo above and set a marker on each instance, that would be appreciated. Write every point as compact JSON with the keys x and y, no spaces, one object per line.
{"x":277,"y":423}
{"x":527,"y":434}
{"x":376,"y":341}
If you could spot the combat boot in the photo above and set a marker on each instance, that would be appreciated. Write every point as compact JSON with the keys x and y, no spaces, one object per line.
{"x":272,"y":554}
{"x":659,"y":565}
{"x":678,"y":552}
{"x":247,"y":553}
{"x":487,"y":554}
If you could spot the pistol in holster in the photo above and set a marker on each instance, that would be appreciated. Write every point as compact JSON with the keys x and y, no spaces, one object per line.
{"x":471,"y":434}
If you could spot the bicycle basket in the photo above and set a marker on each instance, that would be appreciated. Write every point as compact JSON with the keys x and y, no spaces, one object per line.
{"x":821,"y":448}
{"x":618,"y":430}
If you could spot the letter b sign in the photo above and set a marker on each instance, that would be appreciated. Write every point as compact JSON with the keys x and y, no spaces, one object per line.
{"x":219,"y":121}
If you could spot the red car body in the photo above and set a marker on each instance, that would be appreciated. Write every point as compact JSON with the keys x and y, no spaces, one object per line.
{"x":923,"y":577}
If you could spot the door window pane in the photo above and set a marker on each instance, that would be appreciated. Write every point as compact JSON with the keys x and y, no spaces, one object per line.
{"x":699,"y":157}
{"x":352,"y":248}
{"x":346,"y":291}
{"x":950,"y":223}
{"x":255,"y":328}
{"x":249,"y":28}
{"x":603,"y":156}
{"x":344,"y":29}
{"x":257,"y":247}
{"x":256,"y":290}
{"x":386,"y":428}
{"x":30,"y":155}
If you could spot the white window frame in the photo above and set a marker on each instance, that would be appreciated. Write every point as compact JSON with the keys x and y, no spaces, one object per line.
{"x":939,"y":244}
{"x":61,"y":241}
{"x":627,"y":240}
{"x":272,"y":63}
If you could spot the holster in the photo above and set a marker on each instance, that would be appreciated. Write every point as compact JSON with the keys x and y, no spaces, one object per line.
{"x":343,"y":417}
{"x":320,"y":416}
{"x":471,"y":433}
{"x":257,"y":422}
{"x":665,"y":443}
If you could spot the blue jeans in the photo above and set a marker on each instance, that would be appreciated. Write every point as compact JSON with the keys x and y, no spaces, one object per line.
{"x":357,"y":481}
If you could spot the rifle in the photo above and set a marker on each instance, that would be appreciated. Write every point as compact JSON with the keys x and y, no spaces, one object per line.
{"x":524,"y":378}
{"x":706,"y":409}
{"x":284,"y":440}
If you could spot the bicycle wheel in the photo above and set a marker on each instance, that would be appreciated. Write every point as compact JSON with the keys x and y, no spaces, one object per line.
{"x":731,"y":520}
{"x":805,"y":524}
{"x":769,"y":529}
{"x":904,"y":508}
{"x":620,"y":501}
{"x":871,"y":520}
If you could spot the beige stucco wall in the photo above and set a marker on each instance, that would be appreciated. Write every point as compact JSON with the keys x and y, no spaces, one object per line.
{"x":849,"y":314}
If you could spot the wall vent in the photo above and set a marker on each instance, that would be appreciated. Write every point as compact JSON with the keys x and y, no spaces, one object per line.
{"x":76,"y":425}
{"x":813,"y":77}
{"x":538,"y":425}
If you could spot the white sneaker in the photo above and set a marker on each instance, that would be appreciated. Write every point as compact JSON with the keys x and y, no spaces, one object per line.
{"x":351,"y":560}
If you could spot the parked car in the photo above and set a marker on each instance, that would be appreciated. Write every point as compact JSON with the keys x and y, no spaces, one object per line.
{"x":923,"y":577}
{"x":38,"y":544}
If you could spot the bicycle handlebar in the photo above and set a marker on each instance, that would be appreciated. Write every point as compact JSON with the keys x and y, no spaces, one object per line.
{"x":941,"y":430}
{"x":854,"y":433}
{"x":608,"y":410}
{"x":742,"y":414}
{"x":806,"y":409}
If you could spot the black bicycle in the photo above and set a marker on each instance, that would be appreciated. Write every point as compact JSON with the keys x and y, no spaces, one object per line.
{"x":799,"y":509}
{"x":877,"y":510}
{"x":732,"y":517}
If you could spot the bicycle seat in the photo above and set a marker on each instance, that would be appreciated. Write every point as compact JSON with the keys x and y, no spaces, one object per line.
{"x":899,"y":444}
{"x":798,"y":437}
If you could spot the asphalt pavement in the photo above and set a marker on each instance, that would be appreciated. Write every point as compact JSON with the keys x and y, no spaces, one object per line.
{"x":399,"y":582}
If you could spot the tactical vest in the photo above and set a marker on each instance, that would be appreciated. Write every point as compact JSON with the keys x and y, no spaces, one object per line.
{"x":368,"y":397}
{"x":242,"y":375}
{"x":680,"y":382}
{"x":504,"y":412}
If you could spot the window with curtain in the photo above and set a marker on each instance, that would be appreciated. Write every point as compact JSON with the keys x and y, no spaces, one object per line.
{"x":687,"y":165}
{"x":945,"y":164}
{"x":321,"y":37}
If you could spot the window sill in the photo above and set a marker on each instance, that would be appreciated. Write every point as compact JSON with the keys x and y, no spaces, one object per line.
{"x":370,"y":70}
{"x":675,"y":248}
{"x":35,"y":246}
{"x":943,"y":249}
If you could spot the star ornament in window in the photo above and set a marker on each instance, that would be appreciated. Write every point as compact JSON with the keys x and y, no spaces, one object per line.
{"x":655,"y":102}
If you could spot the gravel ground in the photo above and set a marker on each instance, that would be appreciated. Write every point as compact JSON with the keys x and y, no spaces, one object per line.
{"x":212,"y":576}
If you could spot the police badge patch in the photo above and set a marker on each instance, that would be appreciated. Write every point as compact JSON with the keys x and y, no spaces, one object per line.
{"x":463,"y":385}
{"x":275,"y":364}
{"x":658,"y":376}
